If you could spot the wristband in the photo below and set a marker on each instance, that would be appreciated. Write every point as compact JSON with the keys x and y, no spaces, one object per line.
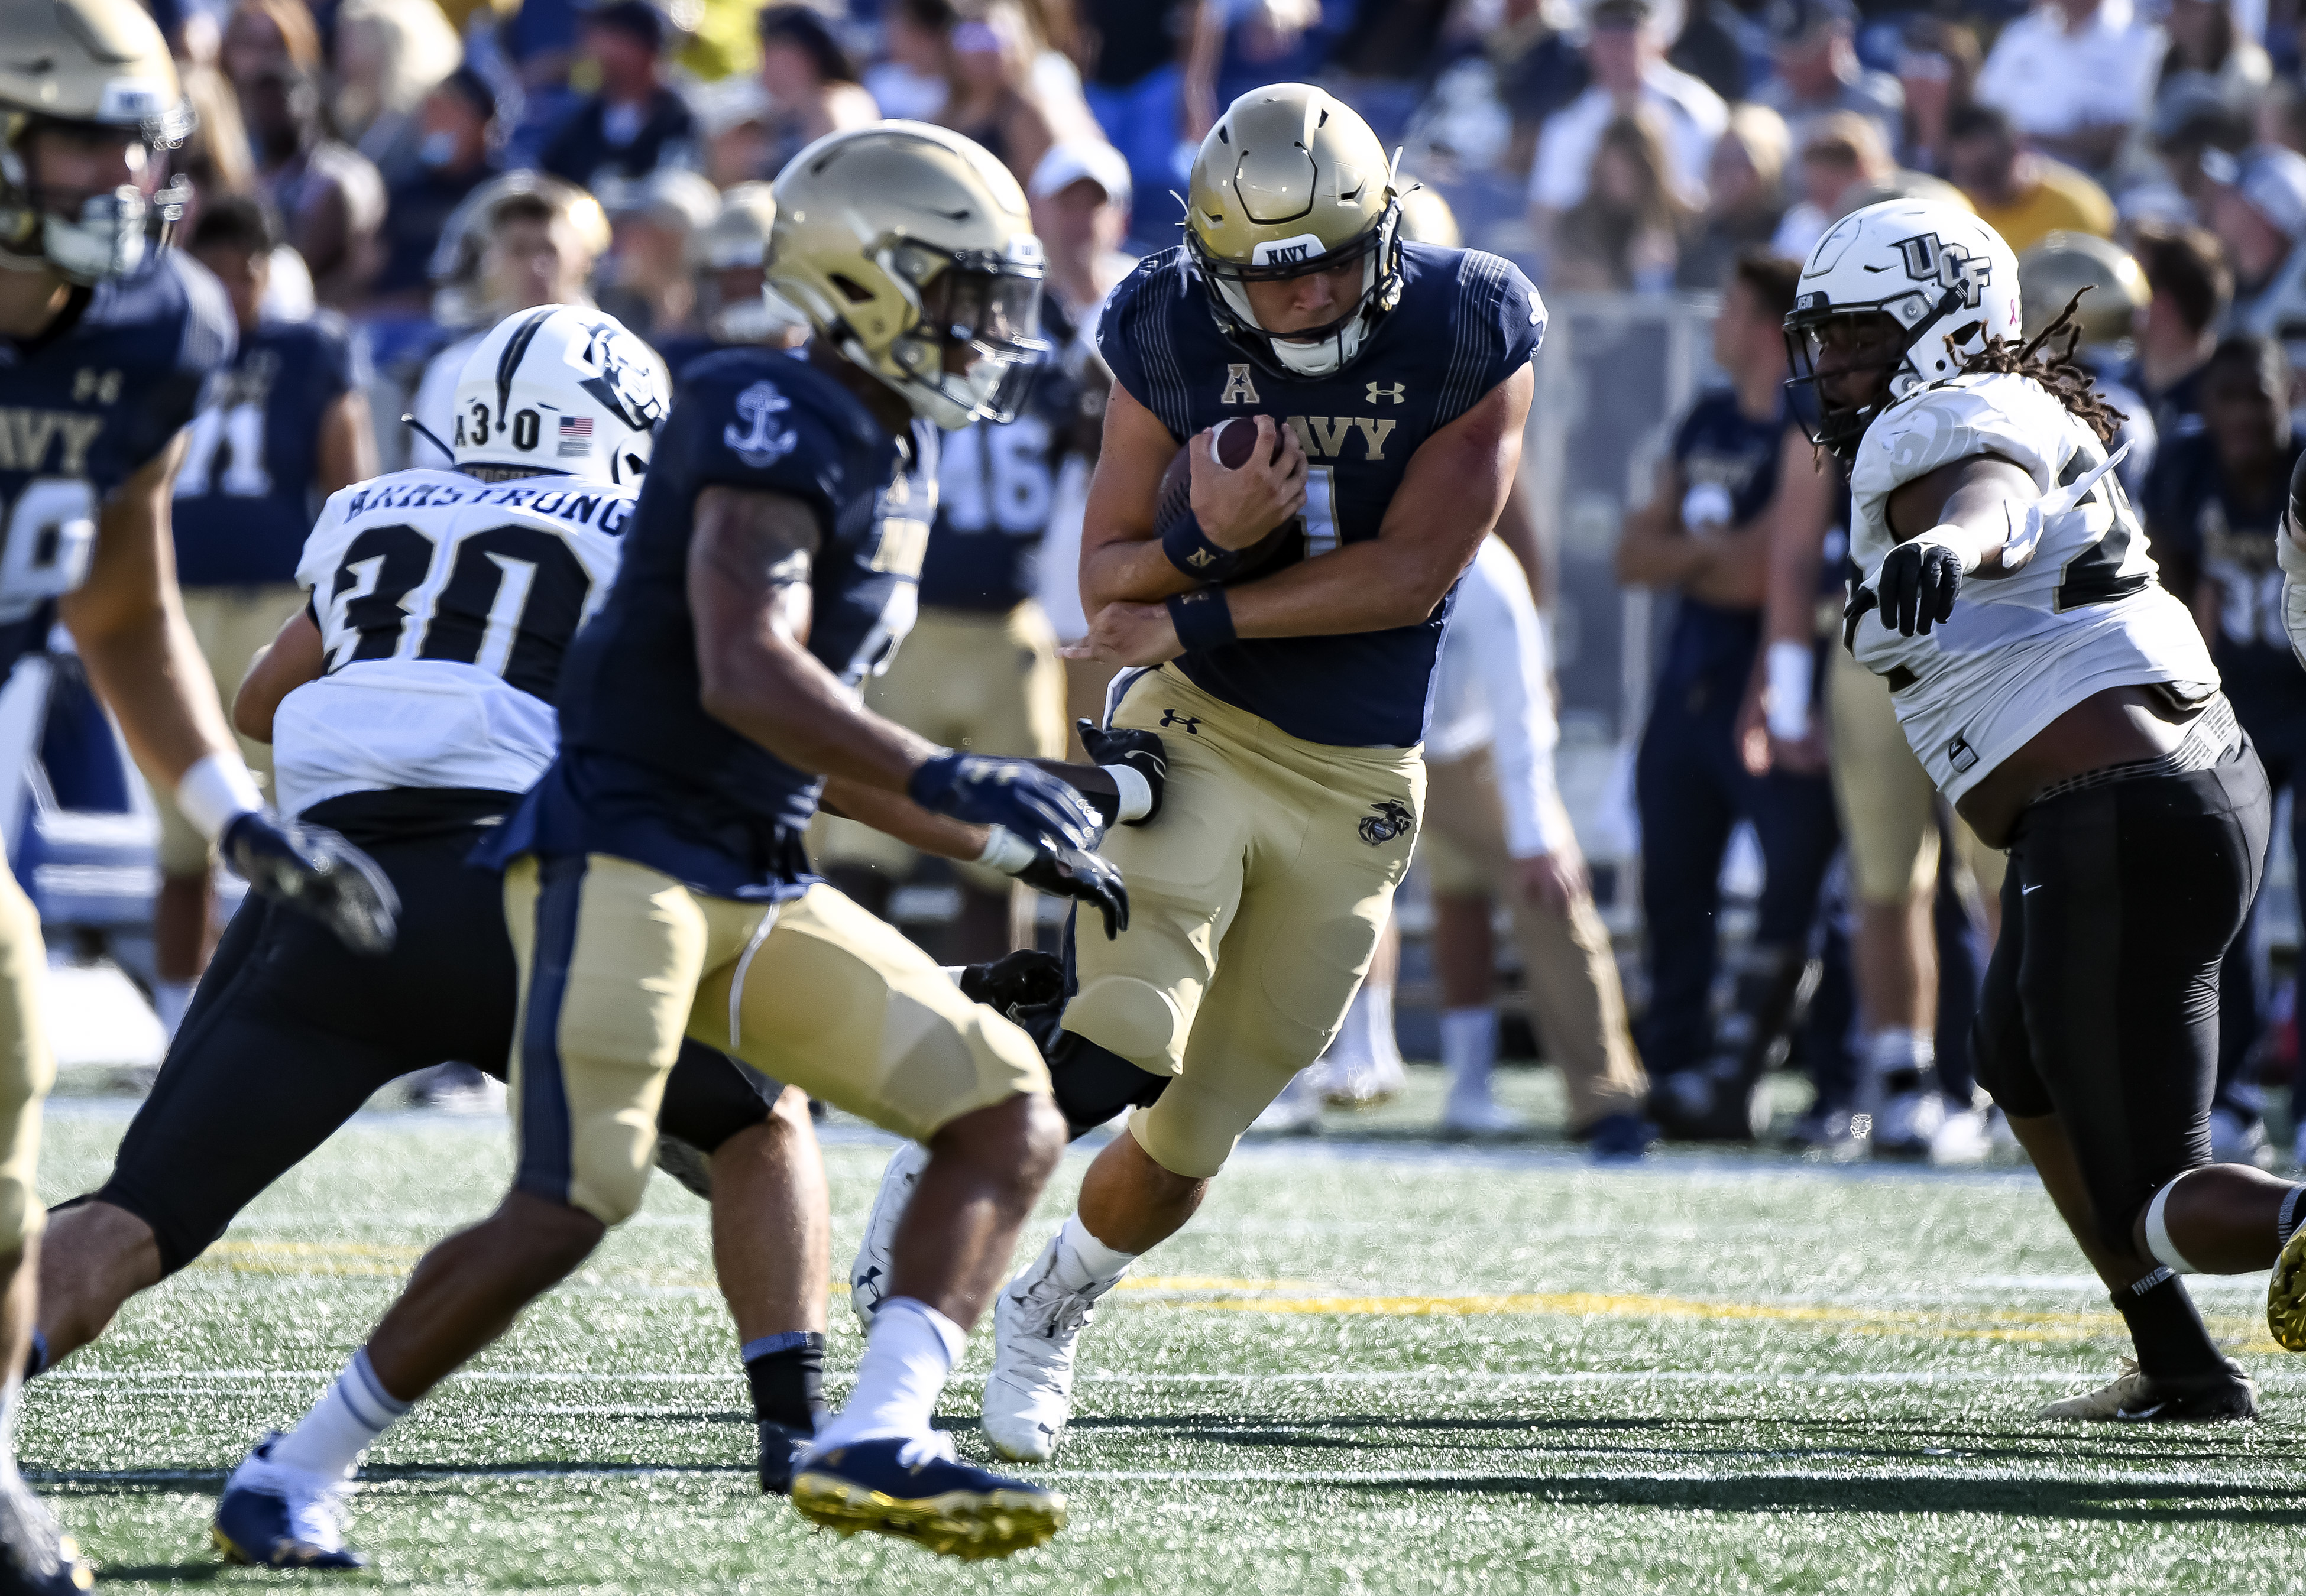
{"x":1189,"y":549}
{"x":217,"y":791}
{"x":1203,"y":619}
{"x":1791,"y":672}
{"x":1959,"y":541}
{"x":1135,"y":793}
{"x":1005,"y":850}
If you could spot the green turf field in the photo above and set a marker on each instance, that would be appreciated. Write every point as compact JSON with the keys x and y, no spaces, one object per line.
{"x":1370,"y":1366}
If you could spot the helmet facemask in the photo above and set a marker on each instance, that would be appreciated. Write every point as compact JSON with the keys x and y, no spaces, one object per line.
{"x":1828,"y":343}
{"x":1321,"y":351}
{"x":988,"y":305}
{"x":89,"y":237}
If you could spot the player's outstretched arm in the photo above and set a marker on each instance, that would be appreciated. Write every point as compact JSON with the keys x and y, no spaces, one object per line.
{"x":751,"y":564}
{"x":295,"y":655}
{"x":1950,"y":524}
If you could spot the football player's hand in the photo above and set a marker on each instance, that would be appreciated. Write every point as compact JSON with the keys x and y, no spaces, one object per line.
{"x":1555,"y":882}
{"x":1129,"y":634}
{"x":1083,"y":876}
{"x":1140,"y":751}
{"x":1026,"y":799}
{"x":314,"y":871}
{"x":1238,"y":507}
{"x":1918,"y":584}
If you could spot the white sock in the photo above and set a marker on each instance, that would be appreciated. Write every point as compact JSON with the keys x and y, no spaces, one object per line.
{"x":170,"y":999}
{"x":343,"y":1424}
{"x":1376,"y":1005}
{"x":1469,"y":1048}
{"x":1354,"y":1040}
{"x":1084,"y":1263}
{"x":910,"y":1351}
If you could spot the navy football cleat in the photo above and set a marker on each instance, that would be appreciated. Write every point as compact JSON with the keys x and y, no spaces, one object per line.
{"x":276,"y":1517}
{"x":782,"y":1447}
{"x":36,"y":1557}
{"x":917,"y":1491}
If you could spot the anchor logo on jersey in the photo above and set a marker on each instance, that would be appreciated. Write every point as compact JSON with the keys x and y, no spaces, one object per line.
{"x":758,"y":406}
{"x":1192,"y":723}
{"x":1929,"y":260}
{"x":1392,"y":819}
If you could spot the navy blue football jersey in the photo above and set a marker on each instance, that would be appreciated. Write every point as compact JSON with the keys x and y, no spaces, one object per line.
{"x":995,"y":487}
{"x":1466,"y":322}
{"x":84,"y":407}
{"x":247,"y":493}
{"x":643,"y":773}
{"x":1729,"y":469}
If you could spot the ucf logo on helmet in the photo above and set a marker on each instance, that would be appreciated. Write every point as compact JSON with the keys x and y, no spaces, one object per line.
{"x":1928,"y":259}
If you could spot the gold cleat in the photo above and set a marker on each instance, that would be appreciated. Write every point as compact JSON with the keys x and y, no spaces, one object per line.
{"x":964,"y":1511}
{"x":2285,"y":1295}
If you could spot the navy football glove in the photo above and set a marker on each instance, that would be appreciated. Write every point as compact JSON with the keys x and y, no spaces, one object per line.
{"x":1140,"y":751}
{"x":315,"y":871}
{"x":1024,"y":797}
{"x":1084,"y":877}
{"x":1917,"y":585}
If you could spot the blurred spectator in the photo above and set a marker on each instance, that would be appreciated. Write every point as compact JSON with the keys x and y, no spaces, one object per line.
{"x":2188,"y":288}
{"x":1745,"y":196}
{"x":1724,"y":47}
{"x":261,"y":34}
{"x":1937,"y":73}
{"x":456,"y":153}
{"x":388,"y":55}
{"x":909,"y":80}
{"x":2219,"y":501}
{"x":1540,"y":70}
{"x":1383,"y":63}
{"x":2257,"y":207}
{"x":2024,"y":196}
{"x":1813,"y":48}
{"x":1626,"y":233}
{"x":1628,"y":71}
{"x":1135,"y":83}
{"x":1241,"y":45}
{"x":734,"y":304}
{"x":812,"y":84}
{"x":635,"y":122}
{"x":327,"y":194}
{"x":285,"y":427}
{"x":1845,"y":164}
{"x":2075,"y":76}
{"x":733,"y":126}
{"x":523,"y":241}
{"x":2282,"y":117}
{"x":214,"y":156}
{"x":2208,"y":49}
{"x":644,"y":281}
{"x":990,"y":95}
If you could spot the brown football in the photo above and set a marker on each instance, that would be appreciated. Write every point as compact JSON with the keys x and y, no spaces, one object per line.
{"x":1231,"y":443}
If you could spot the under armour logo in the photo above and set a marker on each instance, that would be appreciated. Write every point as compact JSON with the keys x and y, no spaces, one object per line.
{"x":1948,"y":265}
{"x":1392,"y":819}
{"x":1192,"y":723}
{"x":1377,"y":391}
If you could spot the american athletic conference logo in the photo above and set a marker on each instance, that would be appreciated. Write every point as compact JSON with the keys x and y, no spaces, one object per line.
{"x":1930,"y":259}
{"x":1392,"y":819}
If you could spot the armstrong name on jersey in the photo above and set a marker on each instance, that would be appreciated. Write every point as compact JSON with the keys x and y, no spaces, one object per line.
{"x":2084,"y":614}
{"x":1467,"y":321}
{"x":645,"y":774}
{"x":445,"y":605}
{"x":84,"y":407}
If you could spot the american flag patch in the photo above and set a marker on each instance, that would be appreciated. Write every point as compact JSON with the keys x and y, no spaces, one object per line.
{"x":575,"y":435}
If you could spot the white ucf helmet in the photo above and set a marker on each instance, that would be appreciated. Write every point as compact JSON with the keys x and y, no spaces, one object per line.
{"x":561,"y":388}
{"x":1908,"y":288}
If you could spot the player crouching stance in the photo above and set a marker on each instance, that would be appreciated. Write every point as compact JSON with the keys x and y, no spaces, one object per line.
{"x":108,"y":344}
{"x":1389,"y":383}
{"x":656,"y":886}
{"x":2064,"y":703}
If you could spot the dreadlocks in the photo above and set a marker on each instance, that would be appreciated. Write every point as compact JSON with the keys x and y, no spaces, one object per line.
{"x":2055,"y":368}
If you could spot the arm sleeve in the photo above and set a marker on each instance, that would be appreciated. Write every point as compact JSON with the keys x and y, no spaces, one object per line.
{"x":1497,"y":327}
{"x":1134,"y":337}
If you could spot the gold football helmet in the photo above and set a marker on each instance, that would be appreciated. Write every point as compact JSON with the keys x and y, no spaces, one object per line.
{"x":1426,"y":218}
{"x":2051,"y":273}
{"x":1291,"y":181}
{"x":902,"y":241}
{"x":90,"y":63}
{"x":729,"y":260}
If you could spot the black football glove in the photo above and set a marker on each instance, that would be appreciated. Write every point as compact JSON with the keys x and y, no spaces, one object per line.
{"x":1028,"y":978}
{"x":1006,"y":792}
{"x":1086,"y":878}
{"x":315,"y":871}
{"x":1140,"y":751}
{"x":1917,"y":587}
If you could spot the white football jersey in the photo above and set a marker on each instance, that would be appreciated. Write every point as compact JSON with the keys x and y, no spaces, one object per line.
{"x":2086,"y":612}
{"x":445,"y":605}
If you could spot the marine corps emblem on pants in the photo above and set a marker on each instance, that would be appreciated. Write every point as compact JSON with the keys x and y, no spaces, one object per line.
{"x":1392,"y":819}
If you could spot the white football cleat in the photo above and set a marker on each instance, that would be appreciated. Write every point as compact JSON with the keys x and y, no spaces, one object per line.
{"x":2236,"y":1141}
{"x":1296,"y":1111}
{"x":2133,"y":1397}
{"x":1962,"y":1141}
{"x":1908,"y":1122}
{"x":1036,"y":1323}
{"x":868,"y":1275}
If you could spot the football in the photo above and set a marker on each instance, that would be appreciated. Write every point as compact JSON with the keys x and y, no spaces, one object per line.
{"x":1230,"y":445}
